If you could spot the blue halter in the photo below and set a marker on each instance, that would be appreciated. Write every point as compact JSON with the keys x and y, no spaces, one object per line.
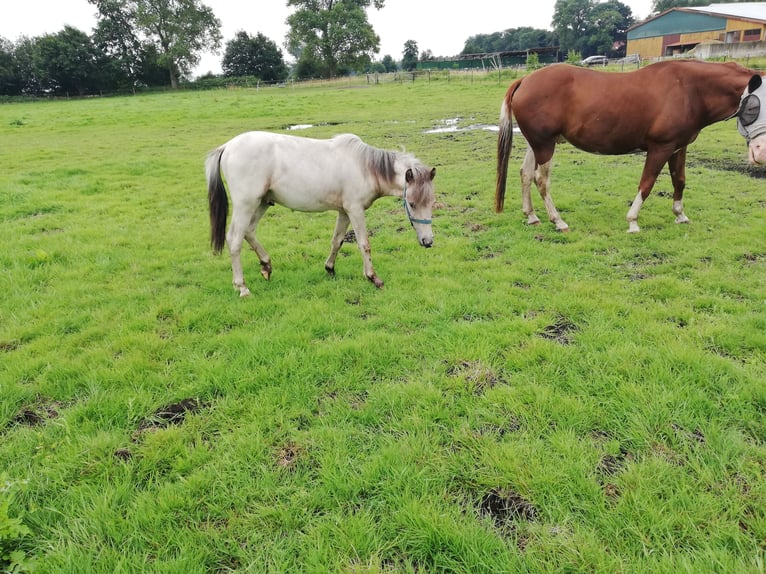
{"x":407,"y":210}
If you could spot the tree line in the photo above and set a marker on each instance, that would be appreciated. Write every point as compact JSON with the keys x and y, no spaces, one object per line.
{"x":146,"y":43}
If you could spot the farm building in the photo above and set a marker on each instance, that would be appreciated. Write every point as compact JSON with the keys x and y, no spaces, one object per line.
{"x":734,"y":29}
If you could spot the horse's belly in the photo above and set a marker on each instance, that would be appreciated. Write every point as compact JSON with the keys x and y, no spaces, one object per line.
{"x":305,"y":201}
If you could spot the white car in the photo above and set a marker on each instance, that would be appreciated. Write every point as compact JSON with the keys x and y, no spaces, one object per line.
{"x":595,"y":61}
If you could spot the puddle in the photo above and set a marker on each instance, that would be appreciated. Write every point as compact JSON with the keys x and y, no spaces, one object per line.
{"x":296,"y":127}
{"x":452,"y":125}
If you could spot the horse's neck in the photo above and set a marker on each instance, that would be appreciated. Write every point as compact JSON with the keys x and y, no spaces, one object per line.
{"x":395,"y":186}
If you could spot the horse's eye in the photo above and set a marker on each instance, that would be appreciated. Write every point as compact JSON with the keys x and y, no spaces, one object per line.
{"x":412,"y":205}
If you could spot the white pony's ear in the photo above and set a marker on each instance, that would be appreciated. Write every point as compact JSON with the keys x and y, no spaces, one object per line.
{"x":408,"y":177}
{"x":433,"y":173}
{"x":755,"y":83}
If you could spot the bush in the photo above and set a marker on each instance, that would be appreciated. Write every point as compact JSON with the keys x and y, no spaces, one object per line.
{"x":12,"y":534}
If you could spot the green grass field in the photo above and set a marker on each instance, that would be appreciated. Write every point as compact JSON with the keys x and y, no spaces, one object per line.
{"x":514,"y":400}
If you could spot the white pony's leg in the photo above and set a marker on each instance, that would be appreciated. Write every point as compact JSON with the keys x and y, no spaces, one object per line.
{"x":240,"y":223}
{"x":341,"y":225}
{"x":356,"y":216}
{"x":527,"y":177}
{"x":263,"y":255}
{"x":543,"y":182}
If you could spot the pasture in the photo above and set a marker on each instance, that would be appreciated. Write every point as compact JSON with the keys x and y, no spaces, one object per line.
{"x":514,"y":400}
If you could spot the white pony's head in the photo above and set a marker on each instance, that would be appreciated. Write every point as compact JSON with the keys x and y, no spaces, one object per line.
{"x":751,"y":119}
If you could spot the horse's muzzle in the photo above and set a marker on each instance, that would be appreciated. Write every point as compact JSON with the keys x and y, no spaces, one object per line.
{"x":427,"y":242}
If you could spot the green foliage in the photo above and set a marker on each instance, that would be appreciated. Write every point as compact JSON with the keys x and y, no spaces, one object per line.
{"x":410,"y":56}
{"x":533,"y":61}
{"x":591,"y":27}
{"x":13,"y":532}
{"x":178,"y":31}
{"x":573,"y":57}
{"x":514,"y":399}
{"x":332,"y":37}
{"x":514,"y":39}
{"x":254,"y":56}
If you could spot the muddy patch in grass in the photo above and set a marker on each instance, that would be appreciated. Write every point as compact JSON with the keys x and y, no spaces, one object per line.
{"x":506,"y":506}
{"x":730,"y":166}
{"x":561,"y":331}
{"x":36,"y":414}
{"x":289,"y":455}
{"x":478,"y":377}
{"x":8,"y":346}
{"x":172,"y":414}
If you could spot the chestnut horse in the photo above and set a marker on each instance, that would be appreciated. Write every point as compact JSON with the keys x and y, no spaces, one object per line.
{"x":659,"y":109}
{"x":342,"y":174}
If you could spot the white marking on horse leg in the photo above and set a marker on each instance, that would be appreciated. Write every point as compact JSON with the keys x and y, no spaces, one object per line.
{"x":543,"y":182}
{"x":527,"y":173}
{"x":341,"y":225}
{"x":678,"y":211}
{"x":633,"y":212}
{"x":356,"y":216}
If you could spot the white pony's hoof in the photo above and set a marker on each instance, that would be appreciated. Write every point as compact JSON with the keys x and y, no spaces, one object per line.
{"x":682,"y":219}
{"x":244,"y":292}
{"x":633,"y":228}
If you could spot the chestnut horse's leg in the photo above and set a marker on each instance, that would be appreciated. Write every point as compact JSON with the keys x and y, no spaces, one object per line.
{"x":543,"y":182}
{"x":356,"y":216}
{"x":527,"y":177}
{"x":341,"y":225}
{"x":677,"y":167}
{"x":655,"y":159}
{"x":537,"y":167}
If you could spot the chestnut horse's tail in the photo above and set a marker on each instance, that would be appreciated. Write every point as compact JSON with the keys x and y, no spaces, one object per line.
{"x":504,"y":144}
{"x":217,"y":200}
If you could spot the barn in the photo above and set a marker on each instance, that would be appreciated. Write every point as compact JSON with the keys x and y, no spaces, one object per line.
{"x":735,"y":29}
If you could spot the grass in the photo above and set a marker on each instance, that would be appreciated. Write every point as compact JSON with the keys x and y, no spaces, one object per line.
{"x":513,"y":400}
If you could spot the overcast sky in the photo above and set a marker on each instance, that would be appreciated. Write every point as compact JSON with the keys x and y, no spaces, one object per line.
{"x":436,"y":25}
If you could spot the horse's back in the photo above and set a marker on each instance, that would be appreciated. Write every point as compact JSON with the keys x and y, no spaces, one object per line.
{"x":301,"y":173}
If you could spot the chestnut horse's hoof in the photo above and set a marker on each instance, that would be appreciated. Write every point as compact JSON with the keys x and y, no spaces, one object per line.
{"x":330,"y":271}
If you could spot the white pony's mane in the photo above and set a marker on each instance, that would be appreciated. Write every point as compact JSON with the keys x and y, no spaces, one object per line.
{"x":382,"y":163}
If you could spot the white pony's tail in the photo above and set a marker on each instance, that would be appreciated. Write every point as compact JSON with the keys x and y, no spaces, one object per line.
{"x":504,"y":144}
{"x":217,"y":200}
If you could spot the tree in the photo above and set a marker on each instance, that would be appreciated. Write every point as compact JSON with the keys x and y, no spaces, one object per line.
{"x":410,"y":55}
{"x":591,"y":27}
{"x":662,"y":5}
{"x":389,"y":65}
{"x":67,"y":62}
{"x":513,"y":39}
{"x":178,"y":30}
{"x":258,"y":56}
{"x":10,"y":81}
{"x":332,"y":36}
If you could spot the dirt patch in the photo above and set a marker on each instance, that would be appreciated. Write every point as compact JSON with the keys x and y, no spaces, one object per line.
{"x":506,"y":505}
{"x":37,"y":414}
{"x":560,"y":330}
{"x":289,"y":455}
{"x":478,"y":376}
{"x":172,"y":414}
{"x":730,"y":166}
{"x":8,"y":346}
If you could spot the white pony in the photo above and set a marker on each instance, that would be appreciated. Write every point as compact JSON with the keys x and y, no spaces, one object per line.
{"x":751,"y":119}
{"x":342,"y":174}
